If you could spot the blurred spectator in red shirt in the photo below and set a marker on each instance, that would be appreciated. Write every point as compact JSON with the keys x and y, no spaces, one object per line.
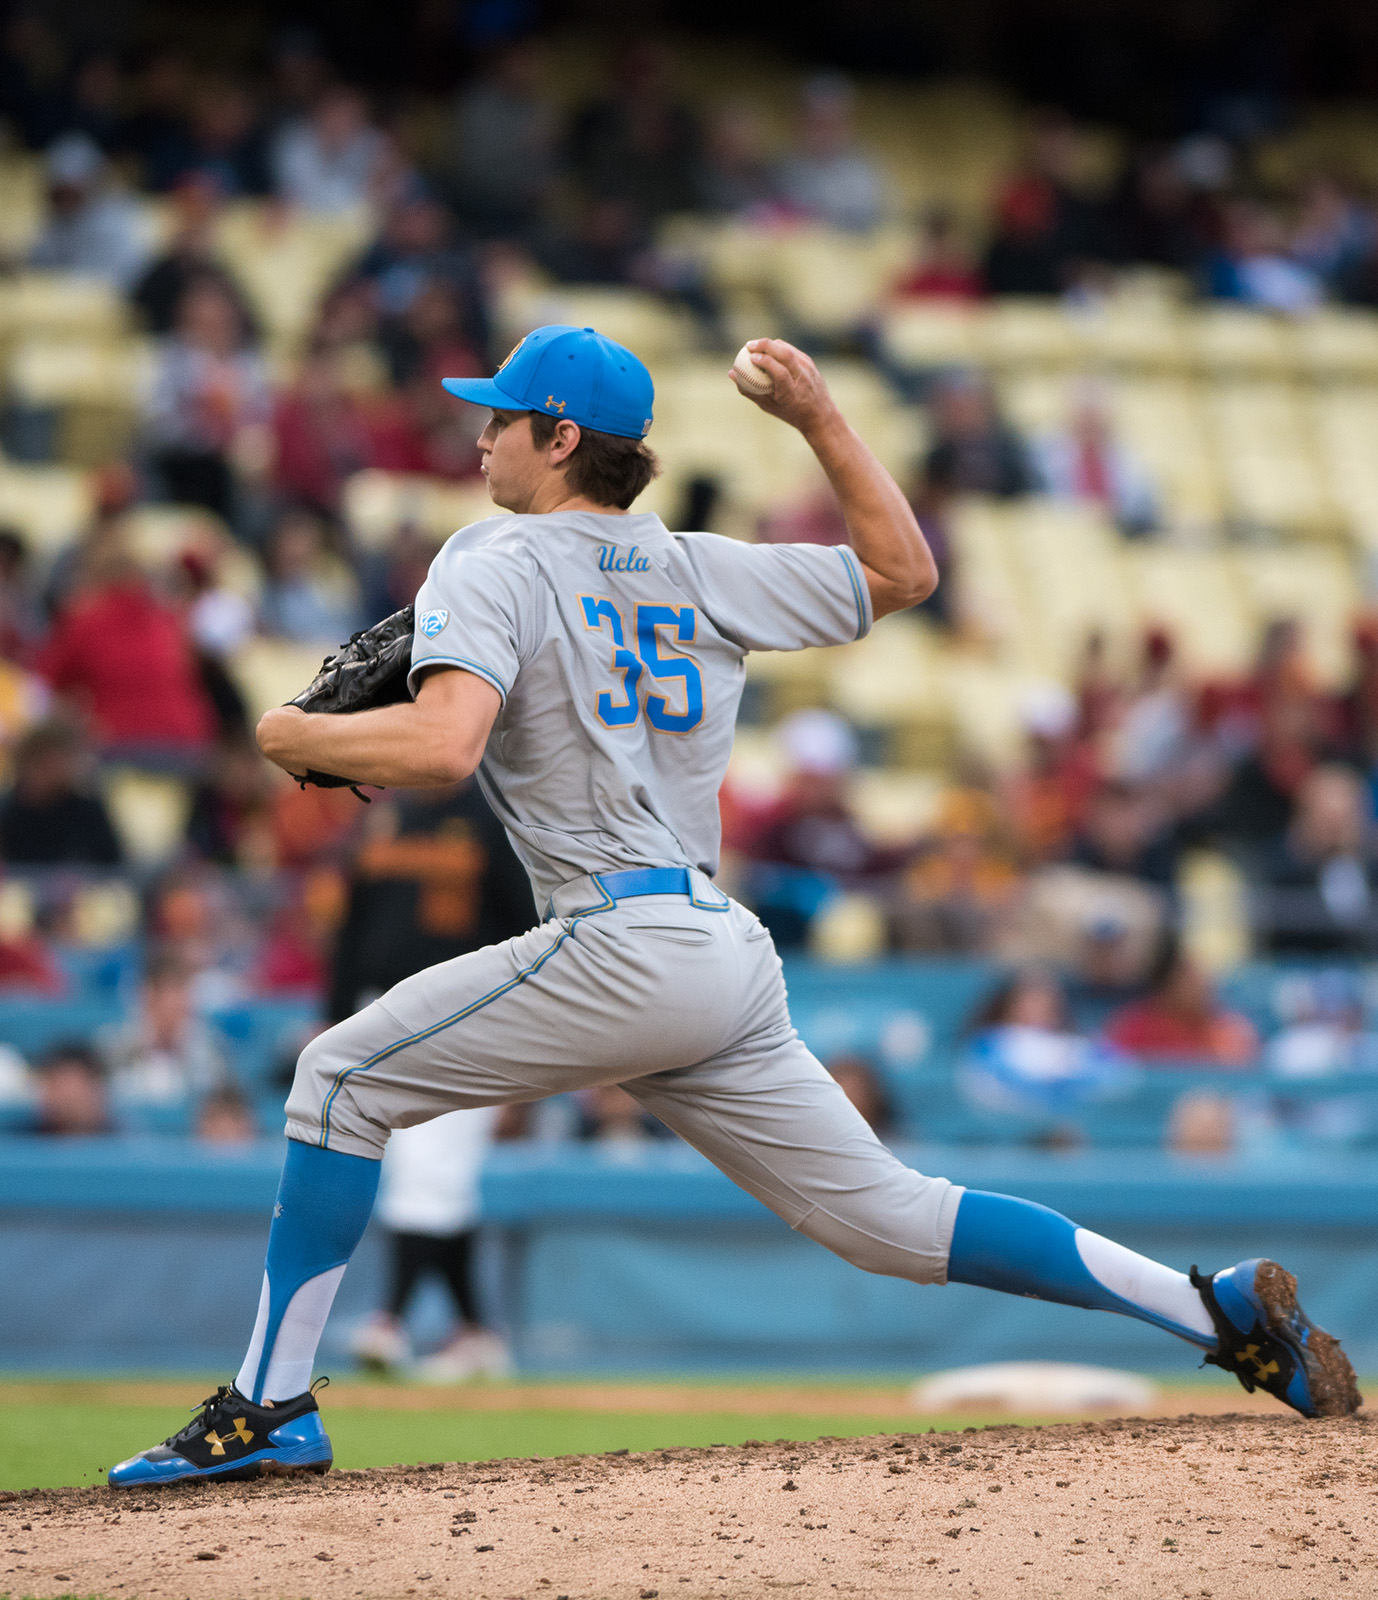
{"x":1356,"y":712}
{"x":812,"y":825}
{"x":945,"y":269}
{"x":1043,"y":226}
{"x":123,"y":657}
{"x":813,"y":518}
{"x":27,"y":963}
{"x":295,"y":957}
{"x":325,"y":431}
{"x":1181,"y":1020}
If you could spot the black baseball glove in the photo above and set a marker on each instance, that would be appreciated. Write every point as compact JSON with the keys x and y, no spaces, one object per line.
{"x":371,"y":670}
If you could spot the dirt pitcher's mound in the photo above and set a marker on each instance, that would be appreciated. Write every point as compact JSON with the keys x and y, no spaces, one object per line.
{"x":1268,"y":1508}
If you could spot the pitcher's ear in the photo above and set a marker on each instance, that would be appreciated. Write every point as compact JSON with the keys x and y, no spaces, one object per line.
{"x":566,"y":440}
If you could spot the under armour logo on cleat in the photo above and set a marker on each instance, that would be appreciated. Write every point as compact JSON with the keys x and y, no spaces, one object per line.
{"x":243,"y":1433}
{"x":1262,"y":1369}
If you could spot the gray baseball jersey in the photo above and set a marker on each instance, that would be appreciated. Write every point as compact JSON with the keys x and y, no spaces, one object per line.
{"x":617,"y":648}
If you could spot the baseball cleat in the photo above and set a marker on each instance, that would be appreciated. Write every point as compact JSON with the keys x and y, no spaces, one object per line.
{"x":231,"y":1438}
{"x":1268,"y":1342}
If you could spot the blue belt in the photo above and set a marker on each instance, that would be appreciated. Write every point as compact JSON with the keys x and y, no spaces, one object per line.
{"x":645,"y":880}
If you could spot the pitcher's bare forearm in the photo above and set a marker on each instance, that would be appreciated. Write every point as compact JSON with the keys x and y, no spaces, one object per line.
{"x":434,"y":740}
{"x":882,"y":528}
{"x":881,"y":525}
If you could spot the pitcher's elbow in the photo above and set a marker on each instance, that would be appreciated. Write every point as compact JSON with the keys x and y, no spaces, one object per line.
{"x":922,"y":582}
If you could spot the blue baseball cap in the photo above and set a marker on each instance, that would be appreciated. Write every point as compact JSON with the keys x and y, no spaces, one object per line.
{"x":572,"y":373}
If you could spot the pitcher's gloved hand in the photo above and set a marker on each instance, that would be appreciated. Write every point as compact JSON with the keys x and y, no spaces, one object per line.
{"x":371,"y":670}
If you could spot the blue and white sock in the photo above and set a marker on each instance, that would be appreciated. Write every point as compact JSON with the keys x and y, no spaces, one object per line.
{"x":1022,"y":1248}
{"x":324,"y":1202}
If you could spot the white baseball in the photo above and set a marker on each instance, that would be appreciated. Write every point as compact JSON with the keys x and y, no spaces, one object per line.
{"x":755,"y":380}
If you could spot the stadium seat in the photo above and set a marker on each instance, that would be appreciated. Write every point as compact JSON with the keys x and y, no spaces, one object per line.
{"x":1229,"y":341}
{"x":1339,"y":343}
{"x":1159,"y":418}
{"x":50,"y":506}
{"x":268,"y":672}
{"x":62,"y":305}
{"x":828,"y":283}
{"x":1195,"y":595}
{"x":22,"y":204}
{"x":927,"y":335}
{"x":1135,"y":332}
{"x":1316,"y":584}
{"x":149,"y":812}
{"x":377,"y":504}
{"x":1031,"y":333}
{"x":49,"y":371}
{"x":634,"y":317}
{"x":1269,"y":466}
{"x":1346,"y":425}
{"x":286,"y":261}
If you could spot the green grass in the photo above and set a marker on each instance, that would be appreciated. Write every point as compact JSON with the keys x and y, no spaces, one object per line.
{"x":49,"y":1445}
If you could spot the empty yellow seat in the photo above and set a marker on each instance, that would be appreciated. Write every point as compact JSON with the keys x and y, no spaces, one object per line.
{"x":1228,"y":340}
{"x":62,"y":304}
{"x":377,"y":504}
{"x":77,"y":371}
{"x":50,"y":506}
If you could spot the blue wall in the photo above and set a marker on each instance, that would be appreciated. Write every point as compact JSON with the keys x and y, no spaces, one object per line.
{"x":128,"y":1254}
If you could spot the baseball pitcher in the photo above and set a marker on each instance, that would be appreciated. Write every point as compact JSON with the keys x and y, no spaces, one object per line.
{"x":587,"y":664}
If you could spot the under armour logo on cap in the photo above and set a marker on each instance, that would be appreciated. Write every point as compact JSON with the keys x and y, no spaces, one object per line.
{"x":602,"y":384}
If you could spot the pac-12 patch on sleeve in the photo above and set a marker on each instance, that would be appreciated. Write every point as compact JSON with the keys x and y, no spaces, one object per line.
{"x":431,"y":622}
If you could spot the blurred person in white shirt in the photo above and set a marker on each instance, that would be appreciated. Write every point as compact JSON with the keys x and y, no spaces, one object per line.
{"x":167,"y":1053}
{"x":91,"y":229}
{"x":827,"y":176}
{"x":331,"y":160}
{"x":428,"y":1201}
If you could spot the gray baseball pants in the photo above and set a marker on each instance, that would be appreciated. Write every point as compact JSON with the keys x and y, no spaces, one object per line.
{"x":679,"y":998}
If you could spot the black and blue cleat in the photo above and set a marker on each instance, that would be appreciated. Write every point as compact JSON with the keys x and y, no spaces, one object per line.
{"x":1268,"y":1342}
{"x":231,"y":1438}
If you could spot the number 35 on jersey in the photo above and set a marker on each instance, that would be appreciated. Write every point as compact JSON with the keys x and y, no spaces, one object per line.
{"x":646,"y":661}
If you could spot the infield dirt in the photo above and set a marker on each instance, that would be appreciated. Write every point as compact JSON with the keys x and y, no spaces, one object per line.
{"x":1266,"y":1507}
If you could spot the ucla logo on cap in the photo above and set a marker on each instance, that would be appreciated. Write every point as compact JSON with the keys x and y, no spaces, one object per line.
{"x":431,"y":622}
{"x":512,"y":352}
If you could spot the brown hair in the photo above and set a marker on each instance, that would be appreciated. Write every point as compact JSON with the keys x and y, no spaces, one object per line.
{"x":603,"y":467}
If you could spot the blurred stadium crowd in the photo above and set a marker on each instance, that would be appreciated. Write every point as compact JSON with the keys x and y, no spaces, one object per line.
{"x":1131,"y":387}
